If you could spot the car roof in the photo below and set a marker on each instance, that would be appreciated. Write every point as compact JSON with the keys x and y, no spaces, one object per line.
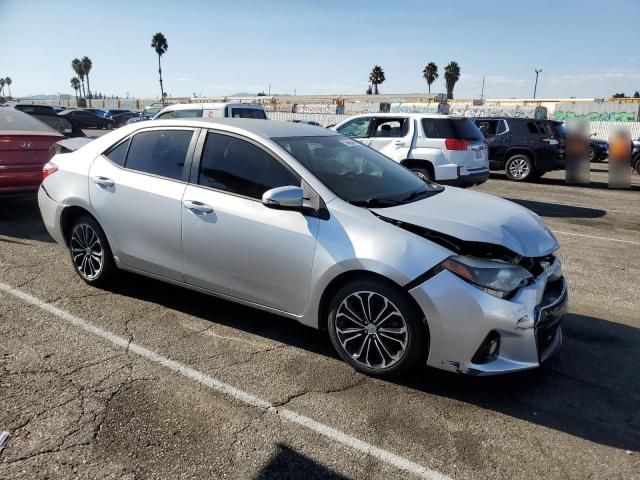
{"x":263,"y":128}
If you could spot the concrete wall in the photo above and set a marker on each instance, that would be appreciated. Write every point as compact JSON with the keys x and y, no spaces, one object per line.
{"x":603,"y":112}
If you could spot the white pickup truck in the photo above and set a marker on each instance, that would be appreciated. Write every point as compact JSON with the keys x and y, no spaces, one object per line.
{"x":442,"y":148}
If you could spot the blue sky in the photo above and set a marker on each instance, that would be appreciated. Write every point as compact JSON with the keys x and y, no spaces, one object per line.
{"x":585,"y":48}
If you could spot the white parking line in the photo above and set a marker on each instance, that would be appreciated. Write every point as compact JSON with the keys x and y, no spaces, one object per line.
{"x":597,"y":237}
{"x":246,"y":398}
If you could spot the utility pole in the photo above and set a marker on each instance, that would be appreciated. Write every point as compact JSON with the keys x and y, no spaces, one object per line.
{"x":269,"y":89}
{"x":482,"y":93}
{"x":536,"y":85}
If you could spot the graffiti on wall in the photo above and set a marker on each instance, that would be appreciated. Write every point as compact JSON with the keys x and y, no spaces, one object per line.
{"x":596,"y":116}
{"x":316,"y":108}
{"x":518,"y":111}
{"x":414,"y":108}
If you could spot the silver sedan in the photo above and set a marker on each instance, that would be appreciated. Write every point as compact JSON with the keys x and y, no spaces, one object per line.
{"x":303,"y":222}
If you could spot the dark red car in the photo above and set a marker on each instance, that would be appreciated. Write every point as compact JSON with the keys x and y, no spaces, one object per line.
{"x":25,"y":144}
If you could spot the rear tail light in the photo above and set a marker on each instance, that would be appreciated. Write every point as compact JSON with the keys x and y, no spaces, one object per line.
{"x":48,"y":169}
{"x":456,"y":144}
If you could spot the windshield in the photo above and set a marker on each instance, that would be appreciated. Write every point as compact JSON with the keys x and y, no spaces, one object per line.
{"x":11,"y":119}
{"x":356,"y":173}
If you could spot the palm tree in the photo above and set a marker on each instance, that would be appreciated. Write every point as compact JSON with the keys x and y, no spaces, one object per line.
{"x":1,"y":86}
{"x":86,"y":68}
{"x":76,"y":64}
{"x":430,"y":73}
{"x":75,"y":84}
{"x":8,"y":82}
{"x":376,"y":78}
{"x":451,"y":76}
{"x":160,"y":45}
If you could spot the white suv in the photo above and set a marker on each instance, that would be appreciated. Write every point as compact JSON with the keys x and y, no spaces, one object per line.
{"x":445,"y":149}
{"x":207,"y":110}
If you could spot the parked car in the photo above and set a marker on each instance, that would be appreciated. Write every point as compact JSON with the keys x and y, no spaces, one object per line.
{"x":436,"y":147}
{"x":123,"y":118}
{"x":115,"y":111}
{"x":191,"y":110}
{"x":97,"y":111}
{"x":306,"y":122}
{"x":87,"y":119}
{"x":25,"y":144}
{"x":59,"y":108}
{"x":525,"y":148}
{"x":46,"y":114}
{"x":317,"y":227}
{"x":635,"y":155}
{"x":147,"y":114}
{"x":598,"y":150}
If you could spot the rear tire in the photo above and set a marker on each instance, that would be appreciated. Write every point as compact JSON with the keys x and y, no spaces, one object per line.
{"x":423,"y":173}
{"x":519,"y":168}
{"x":375,"y":329}
{"x":90,"y":252}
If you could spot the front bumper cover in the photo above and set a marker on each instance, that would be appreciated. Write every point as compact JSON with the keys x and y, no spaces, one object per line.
{"x":460,"y":316}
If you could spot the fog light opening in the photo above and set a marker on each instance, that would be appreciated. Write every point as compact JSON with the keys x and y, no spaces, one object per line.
{"x":489,"y":349}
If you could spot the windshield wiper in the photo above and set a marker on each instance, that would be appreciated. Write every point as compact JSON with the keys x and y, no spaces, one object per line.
{"x":417,"y":194}
{"x":375,"y":202}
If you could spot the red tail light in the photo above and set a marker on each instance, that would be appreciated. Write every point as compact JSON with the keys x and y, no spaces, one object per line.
{"x":456,"y":144}
{"x":48,"y":169}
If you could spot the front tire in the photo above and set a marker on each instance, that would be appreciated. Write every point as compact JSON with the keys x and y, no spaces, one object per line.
{"x":375,"y":329}
{"x":90,"y":252}
{"x":519,"y":168}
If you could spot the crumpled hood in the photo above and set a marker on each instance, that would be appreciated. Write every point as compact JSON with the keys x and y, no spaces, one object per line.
{"x":478,"y":217}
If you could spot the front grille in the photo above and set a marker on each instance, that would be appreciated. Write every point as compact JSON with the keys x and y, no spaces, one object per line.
{"x":549,"y":315}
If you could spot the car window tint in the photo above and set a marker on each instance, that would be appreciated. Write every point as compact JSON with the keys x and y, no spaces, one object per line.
{"x":248,"y":113}
{"x":118,"y":153}
{"x":459,"y":128}
{"x":237,"y":166}
{"x":165,"y":115}
{"x":186,"y":113}
{"x":532,"y":128}
{"x":502,"y":127}
{"x":159,"y":152}
{"x":356,"y":128}
{"x":390,"y":127}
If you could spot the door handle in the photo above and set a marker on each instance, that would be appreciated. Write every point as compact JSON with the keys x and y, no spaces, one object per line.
{"x":196,"y":206}
{"x":398,"y":143}
{"x":103,"y":182}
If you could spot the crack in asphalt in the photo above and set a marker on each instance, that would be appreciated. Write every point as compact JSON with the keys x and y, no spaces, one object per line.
{"x":289,"y":399}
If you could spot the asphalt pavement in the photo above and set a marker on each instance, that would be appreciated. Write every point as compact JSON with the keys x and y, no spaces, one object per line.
{"x":148,"y":380}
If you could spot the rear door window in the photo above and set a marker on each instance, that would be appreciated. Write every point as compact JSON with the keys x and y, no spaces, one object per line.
{"x":357,"y":128}
{"x":187,"y":113}
{"x":459,"y":128}
{"x":248,"y":113}
{"x":165,"y":115}
{"x":390,"y":127}
{"x":159,"y":152}
{"x":118,"y":154}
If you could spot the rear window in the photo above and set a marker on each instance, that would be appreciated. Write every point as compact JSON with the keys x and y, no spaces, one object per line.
{"x":248,"y":113}
{"x":11,"y":119}
{"x":459,"y":128}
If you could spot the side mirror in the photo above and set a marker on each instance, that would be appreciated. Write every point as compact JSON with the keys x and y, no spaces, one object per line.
{"x":284,"y":198}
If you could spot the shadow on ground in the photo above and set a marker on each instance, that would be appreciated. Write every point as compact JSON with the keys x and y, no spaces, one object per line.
{"x":286,"y":463}
{"x":561,"y":181}
{"x":20,"y":219}
{"x":590,"y":390}
{"x":556,"y":210}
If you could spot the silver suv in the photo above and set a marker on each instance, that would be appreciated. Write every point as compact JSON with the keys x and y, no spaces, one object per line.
{"x":309,"y":224}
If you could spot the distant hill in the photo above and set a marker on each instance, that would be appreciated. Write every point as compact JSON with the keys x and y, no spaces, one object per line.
{"x":41,"y":97}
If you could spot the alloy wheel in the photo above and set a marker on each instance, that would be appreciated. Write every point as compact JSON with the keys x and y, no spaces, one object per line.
{"x":87,"y":251}
{"x":371,"y":330}
{"x":519,"y":168}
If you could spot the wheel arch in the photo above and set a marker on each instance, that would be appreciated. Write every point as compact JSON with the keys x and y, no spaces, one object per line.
{"x":419,"y":163}
{"x":352,"y":275}
{"x":529,"y":152}
{"x":67,"y":217}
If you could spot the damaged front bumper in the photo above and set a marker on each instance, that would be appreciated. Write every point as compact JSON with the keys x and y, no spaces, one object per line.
{"x":462,"y":319}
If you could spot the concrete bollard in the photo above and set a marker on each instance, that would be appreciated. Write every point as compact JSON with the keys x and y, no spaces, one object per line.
{"x":620,"y":146}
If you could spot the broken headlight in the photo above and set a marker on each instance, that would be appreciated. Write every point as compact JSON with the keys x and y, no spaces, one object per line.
{"x":496,"y":278}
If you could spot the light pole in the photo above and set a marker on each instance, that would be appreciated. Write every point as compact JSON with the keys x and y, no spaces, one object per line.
{"x":536,"y":85}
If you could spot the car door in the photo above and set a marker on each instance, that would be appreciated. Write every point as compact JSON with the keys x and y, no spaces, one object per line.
{"x":135,"y":189}
{"x":358,"y":128}
{"x":232,"y":243}
{"x":392,"y":136}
